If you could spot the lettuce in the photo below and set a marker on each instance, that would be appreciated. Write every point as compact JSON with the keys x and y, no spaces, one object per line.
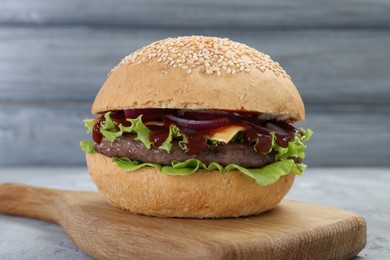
{"x":110,"y":133}
{"x":141,"y":130}
{"x":108,"y":129}
{"x":295,"y":148}
{"x":264,"y":176}
{"x":174,"y":132}
{"x":89,"y":123}
{"x":87,"y":147}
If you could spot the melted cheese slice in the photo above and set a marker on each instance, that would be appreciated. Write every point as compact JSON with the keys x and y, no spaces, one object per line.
{"x":225,"y":134}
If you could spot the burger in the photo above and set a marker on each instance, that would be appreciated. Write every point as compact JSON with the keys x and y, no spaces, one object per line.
{"x":196,"y":127}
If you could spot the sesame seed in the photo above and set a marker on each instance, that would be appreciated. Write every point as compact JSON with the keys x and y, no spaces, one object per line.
{"x":210,"y":54}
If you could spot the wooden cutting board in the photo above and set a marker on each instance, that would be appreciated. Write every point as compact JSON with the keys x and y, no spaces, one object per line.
{"x":294,"y":230}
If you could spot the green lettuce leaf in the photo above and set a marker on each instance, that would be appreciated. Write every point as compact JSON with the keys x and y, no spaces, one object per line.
{"x":298,"y":168}
{"x":129,"y":165}
{"x":110,"y":133}
{"x":87,"y":146}
{"x":174,"y":132}
{"x":294,"y":149}
{"x":138,"y":127}
{"x":264,"y":176}
{"x":108,"y":129}
{"x":89,"y":123}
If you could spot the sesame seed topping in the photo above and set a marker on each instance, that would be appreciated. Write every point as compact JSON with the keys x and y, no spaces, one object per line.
{"x":205,"y":54}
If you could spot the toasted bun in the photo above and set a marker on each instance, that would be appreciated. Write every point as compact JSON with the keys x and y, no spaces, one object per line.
{"x":201,"y":73}
{"x":204,"y":194}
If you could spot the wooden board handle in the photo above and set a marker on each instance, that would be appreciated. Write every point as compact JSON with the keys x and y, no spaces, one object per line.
{"x":28,"y":201}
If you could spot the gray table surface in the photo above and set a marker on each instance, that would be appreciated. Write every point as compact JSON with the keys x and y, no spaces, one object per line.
{"x":361,"y":190}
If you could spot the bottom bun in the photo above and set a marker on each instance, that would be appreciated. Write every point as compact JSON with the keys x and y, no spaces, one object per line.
{"x":204,"y":194}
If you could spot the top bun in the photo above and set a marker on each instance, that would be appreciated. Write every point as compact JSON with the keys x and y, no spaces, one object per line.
{"x":200,"y":72}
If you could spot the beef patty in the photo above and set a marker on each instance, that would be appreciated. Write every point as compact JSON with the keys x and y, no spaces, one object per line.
{"x":240,"y":154}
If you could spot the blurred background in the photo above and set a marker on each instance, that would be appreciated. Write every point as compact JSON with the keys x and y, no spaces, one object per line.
{"x":55,"y":55}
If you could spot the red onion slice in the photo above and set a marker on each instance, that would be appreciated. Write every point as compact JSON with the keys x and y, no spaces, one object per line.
{"x":277,"y":129}
{"x":259,"y":129}
{"x":282,"y":136}
{"x":287,"y":127}
{"x":146,"y":112}
{"x":199,"y":124}
{"x":204,"y":114}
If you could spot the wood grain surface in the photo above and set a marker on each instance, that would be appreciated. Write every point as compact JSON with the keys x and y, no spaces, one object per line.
{"x":54,"y":56}
{"x":294,"y":230}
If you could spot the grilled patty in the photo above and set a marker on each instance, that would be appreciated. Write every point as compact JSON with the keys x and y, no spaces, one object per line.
{"x":240,"y":154}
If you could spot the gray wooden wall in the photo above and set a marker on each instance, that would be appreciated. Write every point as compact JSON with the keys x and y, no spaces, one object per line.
{"x":55,"y":54}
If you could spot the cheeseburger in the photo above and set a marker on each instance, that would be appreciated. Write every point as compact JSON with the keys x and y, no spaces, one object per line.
{"x":196,"y":127}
